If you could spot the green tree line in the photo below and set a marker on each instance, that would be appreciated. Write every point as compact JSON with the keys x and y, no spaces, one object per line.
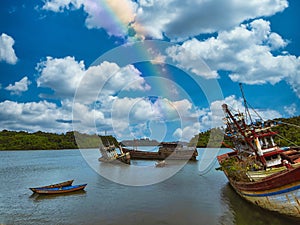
{"x":288,"y":135}
{"x":21,"y":140}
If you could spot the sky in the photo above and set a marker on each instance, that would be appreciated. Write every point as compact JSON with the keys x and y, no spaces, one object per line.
{"x":145,"y":68}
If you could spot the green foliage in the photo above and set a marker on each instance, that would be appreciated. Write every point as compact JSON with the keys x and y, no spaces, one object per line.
{"x":290,"y":132}
{"x":13,"y":140}
{"x":235,"y":169}
{"x":211,"y":138}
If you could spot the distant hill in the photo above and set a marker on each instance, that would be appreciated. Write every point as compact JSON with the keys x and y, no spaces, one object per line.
{"x":21,"y":140}
{"x":289,"y":132}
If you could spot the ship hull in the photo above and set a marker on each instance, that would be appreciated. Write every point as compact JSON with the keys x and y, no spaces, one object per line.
{"x":279,"y":192}
{"x":285,"y":200}
{"x":162,"y":155}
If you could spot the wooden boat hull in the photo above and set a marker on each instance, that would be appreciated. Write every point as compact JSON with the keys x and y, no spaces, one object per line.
{"x":279,"y":192}
{"x":285,"y":200}
{"x":58,"y":190}
{"x":62,"y":184}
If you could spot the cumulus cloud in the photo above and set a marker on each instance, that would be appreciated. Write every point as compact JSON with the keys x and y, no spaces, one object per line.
{"x":65,"y":76}
{"x":95,"y":92}
{"x":19,"y":86}
{"x":33,"y":116}
{"x":154,"y":18}
{"x":62,"y":75}
{"x":179,"y":21}
{"x":140,"y":116}
{"x":246,"y":52}
{"x":114,"y":16}
{"x":61,"y":5}
{"x":7,"y":53}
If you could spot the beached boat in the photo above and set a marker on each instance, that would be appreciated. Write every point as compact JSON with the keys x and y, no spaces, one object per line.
{"x":258,"y":169}
{"x":170,"y":150}
{"x":58,"y":190}
{"x":110,"y":154}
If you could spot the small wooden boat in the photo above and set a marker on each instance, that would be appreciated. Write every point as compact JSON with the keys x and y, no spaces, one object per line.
{"x":62,"y":184}
{"x":58,"y":190}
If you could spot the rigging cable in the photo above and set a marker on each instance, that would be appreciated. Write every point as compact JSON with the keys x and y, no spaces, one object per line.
{"x":287,"y":140}
{"x":294,"y":125}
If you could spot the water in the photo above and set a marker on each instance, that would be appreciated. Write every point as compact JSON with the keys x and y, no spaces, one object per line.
{"x":185,"y":198}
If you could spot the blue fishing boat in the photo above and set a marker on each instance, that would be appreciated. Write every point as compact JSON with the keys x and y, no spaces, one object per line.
{"x":58,"y":190}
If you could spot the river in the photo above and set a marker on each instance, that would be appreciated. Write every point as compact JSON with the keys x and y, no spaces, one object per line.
{"x":185,"y":198}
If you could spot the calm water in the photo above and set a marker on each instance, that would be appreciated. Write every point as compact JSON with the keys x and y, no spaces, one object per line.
{"x":185,"y":198}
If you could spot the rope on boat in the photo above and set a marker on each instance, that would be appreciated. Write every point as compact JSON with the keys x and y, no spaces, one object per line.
{"x":287,"y":140}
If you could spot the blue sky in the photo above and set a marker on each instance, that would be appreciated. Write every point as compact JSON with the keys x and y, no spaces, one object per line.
{"x":148,"y":68}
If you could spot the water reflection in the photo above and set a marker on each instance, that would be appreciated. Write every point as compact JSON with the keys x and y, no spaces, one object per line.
{"x":240,"y":211}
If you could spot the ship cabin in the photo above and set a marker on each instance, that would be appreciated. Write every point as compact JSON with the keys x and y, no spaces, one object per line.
{"x":255,"y":138}
{"x":109,"y":152}
{"x":263,"y":142}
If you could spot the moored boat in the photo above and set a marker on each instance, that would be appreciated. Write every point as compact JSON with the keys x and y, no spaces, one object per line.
{"x":167,"y":150}
{"x":62,"y":184}
{"x":258,"y":169}
{"x":58,"y":190}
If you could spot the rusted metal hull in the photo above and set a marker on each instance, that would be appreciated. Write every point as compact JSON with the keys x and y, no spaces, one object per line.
{"x":278,"y":192}
{"x":162,"y":155}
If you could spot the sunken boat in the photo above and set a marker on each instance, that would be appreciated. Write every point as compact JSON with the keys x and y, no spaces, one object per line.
{"x":258,"y":169}
{"x":111,"y":151}
{"x":170,"y":150}
{"x":109,"y":154}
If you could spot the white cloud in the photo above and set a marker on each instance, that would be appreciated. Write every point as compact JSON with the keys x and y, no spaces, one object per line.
{"x":155,"y":18}
{"x":246,"y":52}
{"x":62,"y":75}
{"x":61,"y":5}
{"x":179,"y":21}
{"x":7,"y":53}
{"x":65,"y":75}
{"x":112,"y":15}
{"x":19,"y":86}
{"x":33,"y":116}
{"x":96,"y":103}
{"x":187,"y":133}
{"x":291,"y":109}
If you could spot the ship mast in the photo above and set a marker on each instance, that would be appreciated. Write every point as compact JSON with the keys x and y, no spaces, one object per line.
{"x":245,"y":103}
